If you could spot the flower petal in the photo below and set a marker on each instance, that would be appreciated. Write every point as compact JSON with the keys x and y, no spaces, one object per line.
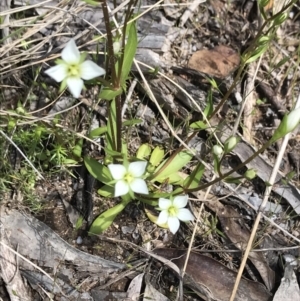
{"x":121,"y":188}
{"x":75,"y":85}
{"x":180,"y":201}
{"x":70,"y":53}
{"x":117,"y":171}
{"x":185,"y":215}
{"x":163,"y":217}
{"x":164,"y":203}
{"x":58,"y":72}
{"x":137,"y":169}
{"x":139,"y":186}
{"x":293,"y":119}
{"x":89,"y":70}
{"x":173,"y":223}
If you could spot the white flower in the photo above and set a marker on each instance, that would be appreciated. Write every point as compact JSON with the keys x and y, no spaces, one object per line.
{"x":293,"y":119}
{"x":129,"y":179}
{"x":173,"y":211}
{"x":72,"y":69}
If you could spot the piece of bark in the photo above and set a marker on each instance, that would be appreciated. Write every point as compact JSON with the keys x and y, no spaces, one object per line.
{"x":9,"y":271}
{"x":48,"y":248}
{"x":289,"y":288}
{"x":211,"y":280}
{"x":249,"y":103}
{"x":236,"y":230}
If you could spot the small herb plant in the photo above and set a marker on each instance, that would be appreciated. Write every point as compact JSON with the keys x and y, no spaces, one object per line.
{"x":124,"y":175}
{"x":140,"y":176}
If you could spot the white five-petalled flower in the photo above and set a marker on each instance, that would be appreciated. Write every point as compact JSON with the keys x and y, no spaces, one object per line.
{"x":173,"y":211}
{"x":129,"y":178}
{"x":72,"y":69}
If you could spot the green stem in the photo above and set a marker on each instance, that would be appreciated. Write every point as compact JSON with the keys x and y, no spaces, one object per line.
{"x":231,"y":171}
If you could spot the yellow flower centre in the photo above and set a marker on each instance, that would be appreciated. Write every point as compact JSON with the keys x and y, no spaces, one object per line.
{"x":128,"y":177}
{"x":173,"y":211}
{"x":73,"y":70}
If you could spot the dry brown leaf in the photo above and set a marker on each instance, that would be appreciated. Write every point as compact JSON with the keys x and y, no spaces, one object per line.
{"x":234,"y":227}
{"x":219,"y":62}
{"x":212,"y":280}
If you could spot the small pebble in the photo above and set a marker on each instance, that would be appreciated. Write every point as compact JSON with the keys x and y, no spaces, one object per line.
{"x":79,"y":240}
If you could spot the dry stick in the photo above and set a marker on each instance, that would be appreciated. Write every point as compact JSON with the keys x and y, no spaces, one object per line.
{"x":128,"y":96}
{"x":250,"y":87}
{"x":194,"y":231}
{"x":263,"y":205}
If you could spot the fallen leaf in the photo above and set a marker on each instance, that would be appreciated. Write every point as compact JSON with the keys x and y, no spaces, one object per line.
{"x":289,"y":288}
{"x":212,"y":280}
{"x":134,"y":289}
{"x":151,"y":293}
{"x":236,"y":230}
{"x":219,"y":62}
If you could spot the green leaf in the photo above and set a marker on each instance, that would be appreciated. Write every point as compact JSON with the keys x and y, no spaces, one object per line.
{"x":106,"y":191}
{"x":209,"y":106}
{"x":91,"y":2}
{"x":234,"y":180}
{"x":129,"y":53}
{"x":103,"y":129}
{"x":98,"y":132}
{"x":173,"y":165}
{"x":193,"y":180}
{"x":98,"y":170}
{"x":132,"y":122}
{"x":143,"y":151}
{"x":79,"y":223}
{"x":157,"y":156}
{"x":104,"y":220}
{"x":198,"y":125}
{"x":282,"y":62}
{"x":147,"y":200}
{"x":111,"y":143}
{"x":109,"y":94}
{"x":77,"y":150}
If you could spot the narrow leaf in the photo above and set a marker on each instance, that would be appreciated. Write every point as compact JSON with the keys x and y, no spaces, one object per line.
{"x":178,"y":162}
{"x":98,"y":170}
{"x":129,"y":53}
{"x":104,"y":220}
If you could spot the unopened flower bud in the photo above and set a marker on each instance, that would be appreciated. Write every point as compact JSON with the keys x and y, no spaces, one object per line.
{"x":230,"y":144}
{"x":250,"y":174}
{"x":287,"y":125}
{"x":280,"y":19}
{"x":217,"y":150}
{"x":117,"y":47}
